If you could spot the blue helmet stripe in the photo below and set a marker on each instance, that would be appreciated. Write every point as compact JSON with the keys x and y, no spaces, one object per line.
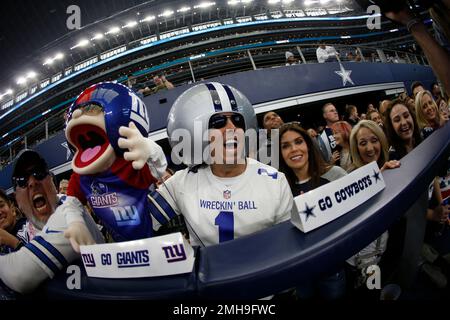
{"x":215,"y":97}
{"x":231,"y":97}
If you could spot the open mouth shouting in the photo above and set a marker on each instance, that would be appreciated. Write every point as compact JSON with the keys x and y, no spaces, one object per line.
{"x":40,"y":203}
{"x":91,"y":143}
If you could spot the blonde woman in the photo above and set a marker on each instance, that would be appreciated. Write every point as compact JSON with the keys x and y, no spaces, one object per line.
{"x":427,"y":112}
{"x":368,"y":143}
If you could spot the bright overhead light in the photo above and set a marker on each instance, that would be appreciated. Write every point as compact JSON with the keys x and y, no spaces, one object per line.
{"x":113,"y":30}
{"x":130,"y":24}
{"x":9,"y":91}
{"x":21,"y":80}
{"x":97,"y":36}
{"x":184,"y":9}
{"x":148,"y":18}
{"x":309,"y":2}
{"x":58,"y":56}
{"x":274,"y":1}
{"x":287,"y":1}
{"x":324,"y":1}
{"x":82,"y":43}
{"x":48,"y":61}
{"x":166,"y":13}
{"x":204,"y":5}
{"x":246,"y":1}
{"x":31,"y":75}
{"x":233,"y":2}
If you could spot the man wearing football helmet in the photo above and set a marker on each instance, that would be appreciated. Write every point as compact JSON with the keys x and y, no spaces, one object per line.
{"x":222,"y":194}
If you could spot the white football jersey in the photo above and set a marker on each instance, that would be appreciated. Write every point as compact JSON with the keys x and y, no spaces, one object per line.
{"x":221,"y":209}
{"x":49,"y":251}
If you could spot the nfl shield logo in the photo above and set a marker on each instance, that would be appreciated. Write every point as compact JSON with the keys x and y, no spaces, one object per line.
{"x":227,"y":194}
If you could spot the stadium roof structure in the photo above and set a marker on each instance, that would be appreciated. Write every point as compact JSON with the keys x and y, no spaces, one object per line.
{"x":132,"y":37}
{"x":34,"y":31}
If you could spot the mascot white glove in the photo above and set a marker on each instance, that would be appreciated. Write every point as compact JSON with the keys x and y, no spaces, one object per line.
{"x":78,"y":235}
{"x":142,"y":150}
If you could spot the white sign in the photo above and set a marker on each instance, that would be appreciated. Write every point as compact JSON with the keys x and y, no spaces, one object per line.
{"x":324,"y":204}
{"x":152,"y":257}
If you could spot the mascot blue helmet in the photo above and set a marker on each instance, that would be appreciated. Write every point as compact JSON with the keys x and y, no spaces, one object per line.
{"x":120,"y":106}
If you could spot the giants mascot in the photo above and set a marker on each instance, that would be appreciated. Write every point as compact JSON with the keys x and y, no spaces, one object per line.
{"x":114,"y":162}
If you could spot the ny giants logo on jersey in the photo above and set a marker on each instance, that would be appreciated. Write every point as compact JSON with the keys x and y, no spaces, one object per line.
{"x":126,"y":216}
{"x":100,"y":197}
{"x":139,"y":113}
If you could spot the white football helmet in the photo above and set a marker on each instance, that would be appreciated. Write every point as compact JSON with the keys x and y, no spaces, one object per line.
{"x":194,"y":108}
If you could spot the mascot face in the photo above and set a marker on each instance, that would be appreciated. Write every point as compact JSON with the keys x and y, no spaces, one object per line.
{"x":86,"y":132}
{"x":93,"y":122}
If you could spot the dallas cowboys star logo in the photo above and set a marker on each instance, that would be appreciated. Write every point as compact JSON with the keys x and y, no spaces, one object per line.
{"x":376,"y":175}
{"x":308,"y":211}
{"x":68,"y":153}
{"x":345,"y":75}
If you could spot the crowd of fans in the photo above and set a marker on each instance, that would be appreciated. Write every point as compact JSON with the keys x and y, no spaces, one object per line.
{"x":311,"y":157}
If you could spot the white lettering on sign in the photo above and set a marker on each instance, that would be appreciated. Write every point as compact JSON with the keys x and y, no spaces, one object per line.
{"x":322,"y":205}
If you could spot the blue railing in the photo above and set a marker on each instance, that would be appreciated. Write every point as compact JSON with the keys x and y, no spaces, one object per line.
{"x":280,"y":257}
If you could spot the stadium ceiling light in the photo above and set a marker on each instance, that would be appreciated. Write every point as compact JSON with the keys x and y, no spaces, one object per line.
{"x":113,"y":30}
{"x":31,"y":75}
{"x":82,"y":43}
{"x":21,"y":80}
{"x":97,"y":36}
{"x":287,"y":1}
{"x":148,"y":18}
{"x":204,"y":5}
{"x":9,"y":91}
{"x":58,"y":56}
{"x":309,"y":2}
{"x":47,"y":61}
{"x":274,"y":1}
{"x":233,"y":2}
{"x":166,"y":13}
{"x":324,"y":1}
{"x":246,"y":1}
{"x":184,"y":9}
{"x":130,"y":24}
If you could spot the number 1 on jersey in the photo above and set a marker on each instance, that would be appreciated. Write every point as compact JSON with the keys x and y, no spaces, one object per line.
{"x":225,"y":222}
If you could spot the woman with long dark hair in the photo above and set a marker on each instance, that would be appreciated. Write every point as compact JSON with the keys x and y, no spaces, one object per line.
{"x":402,"y":129}
{"x":305,"y":170}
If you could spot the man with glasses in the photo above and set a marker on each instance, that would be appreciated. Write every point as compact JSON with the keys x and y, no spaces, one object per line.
{"x":222,"y":194}
{"x":55,"y":227}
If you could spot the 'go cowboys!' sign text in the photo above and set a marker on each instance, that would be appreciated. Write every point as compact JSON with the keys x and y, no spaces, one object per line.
{"x":322,"y":205}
